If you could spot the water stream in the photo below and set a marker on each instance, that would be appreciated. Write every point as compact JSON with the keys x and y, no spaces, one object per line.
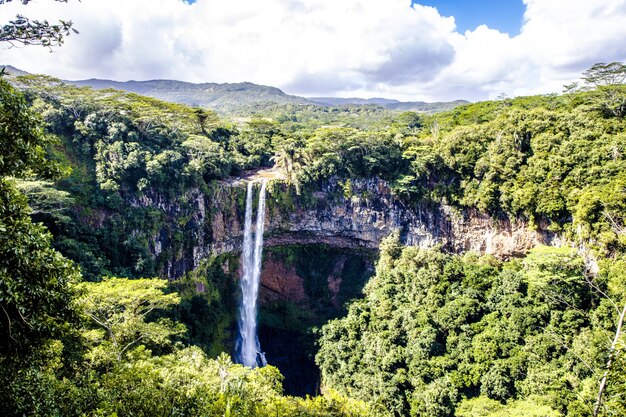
{"x":248,"y":347}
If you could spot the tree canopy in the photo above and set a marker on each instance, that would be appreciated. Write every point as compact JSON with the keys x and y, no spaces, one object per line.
{"x":433,"y":334}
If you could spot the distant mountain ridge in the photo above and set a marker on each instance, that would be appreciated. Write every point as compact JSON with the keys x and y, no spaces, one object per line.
{"x":389,"y":104}
{"x":213,"y":95}
{"x":236,"y":96}
{"x":338,"y":101}
{"x":11,"y":70}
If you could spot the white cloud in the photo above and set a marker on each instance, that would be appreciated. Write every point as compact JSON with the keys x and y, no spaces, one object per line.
{"x":327,"y":47}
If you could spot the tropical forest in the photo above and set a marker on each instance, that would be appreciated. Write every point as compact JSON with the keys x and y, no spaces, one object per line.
{"x":221,"y":249}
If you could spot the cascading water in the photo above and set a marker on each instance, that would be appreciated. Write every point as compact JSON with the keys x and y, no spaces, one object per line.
{"x":248,"y":347}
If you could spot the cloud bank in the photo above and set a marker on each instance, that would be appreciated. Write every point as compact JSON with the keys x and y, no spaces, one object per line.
{"x":361,"y":48}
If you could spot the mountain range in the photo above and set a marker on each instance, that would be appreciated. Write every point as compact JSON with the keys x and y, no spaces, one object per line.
{"x":389,"y":104}
{"x":229,"y":97}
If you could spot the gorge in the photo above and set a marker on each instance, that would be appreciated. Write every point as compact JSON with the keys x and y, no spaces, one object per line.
{"x":387,"y":264}
{"x":321,"y":249}
{"x":325,"y":215}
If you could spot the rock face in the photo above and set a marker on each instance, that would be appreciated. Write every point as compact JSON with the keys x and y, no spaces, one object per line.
{"x":304,"y":282}
{"x":358,"y":214}
{"x":281,"y":282}
{"x":303,"y":287}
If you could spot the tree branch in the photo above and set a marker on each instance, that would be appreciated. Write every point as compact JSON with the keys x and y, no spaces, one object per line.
{"x":24,"y":31}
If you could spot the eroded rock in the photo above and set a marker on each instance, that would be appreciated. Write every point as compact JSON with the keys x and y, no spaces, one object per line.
{"x":328,"y":216}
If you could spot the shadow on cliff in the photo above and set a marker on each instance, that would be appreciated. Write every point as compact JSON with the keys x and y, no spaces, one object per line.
{"x":302,"y":288}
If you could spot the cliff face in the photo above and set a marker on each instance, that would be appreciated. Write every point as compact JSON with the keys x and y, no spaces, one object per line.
{"x":319,"y":251}
{"x":358,"y":214}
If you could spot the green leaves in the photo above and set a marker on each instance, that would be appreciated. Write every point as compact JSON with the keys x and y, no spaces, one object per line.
{"x":22,"y":140}
{"x":206,"y":158}
{"x":36,"y":282}
{"x":439,"y":335}
{"x":548,"y":266}
{"x":119,"y":308}
{"x":24,"y":31}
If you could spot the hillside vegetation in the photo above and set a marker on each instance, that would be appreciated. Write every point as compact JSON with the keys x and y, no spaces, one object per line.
{"x":443,"y":335}
{"x":244,"y":98}
{"x":223,"y":97}
{"x":433,"y":335}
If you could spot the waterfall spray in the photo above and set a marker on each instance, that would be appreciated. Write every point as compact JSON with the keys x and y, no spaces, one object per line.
{"x":248,"y":347}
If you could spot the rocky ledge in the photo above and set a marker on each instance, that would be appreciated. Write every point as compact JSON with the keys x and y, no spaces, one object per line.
{"x":358,"y":213}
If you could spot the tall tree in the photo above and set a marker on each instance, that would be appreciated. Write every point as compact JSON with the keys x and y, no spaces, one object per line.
{"x":608,"y":79}
{"x":290,"y":162}
{"x":118,"y":309}
{"x":602,"y":74}
{"x":35,"y":280}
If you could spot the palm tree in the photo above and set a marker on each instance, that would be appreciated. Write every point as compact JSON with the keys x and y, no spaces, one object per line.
{"x":290,"y":162}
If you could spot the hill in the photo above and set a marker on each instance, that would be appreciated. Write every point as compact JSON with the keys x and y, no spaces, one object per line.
{"x":222,"y":97}
{"x":418,"y":106}
{"x":243,"y":97}
{"x":12,"y":71}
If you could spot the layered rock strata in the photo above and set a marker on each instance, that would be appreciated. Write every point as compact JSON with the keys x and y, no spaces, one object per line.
{"x":358,"y":214}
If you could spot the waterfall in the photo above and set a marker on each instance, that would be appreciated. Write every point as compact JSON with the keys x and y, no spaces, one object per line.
{"x":248,"y":347}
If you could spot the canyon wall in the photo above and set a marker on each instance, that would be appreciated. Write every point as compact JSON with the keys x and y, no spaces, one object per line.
{"x":354,"y":214}
{"x":319,"y":252}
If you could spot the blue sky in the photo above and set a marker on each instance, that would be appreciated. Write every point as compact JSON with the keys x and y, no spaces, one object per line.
{"x":504,"y":15}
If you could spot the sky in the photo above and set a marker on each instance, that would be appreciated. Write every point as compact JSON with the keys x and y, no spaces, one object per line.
{"x":430,"y":50}
{"x":503,"y":15}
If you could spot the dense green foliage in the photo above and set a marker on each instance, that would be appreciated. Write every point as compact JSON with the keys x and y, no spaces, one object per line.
{"x":128,"y":355}
{"x":131,"y":362}
{"x":443,"y":335}
{"x":23,"y":142}
{"x":554,"y":161}
{"x":435,"y":334}
{"x":124,"y":147}
{"x":35,"y":280}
